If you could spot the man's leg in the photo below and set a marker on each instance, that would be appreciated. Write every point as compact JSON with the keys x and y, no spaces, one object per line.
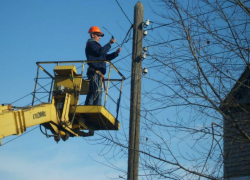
{"x":91,"y":94}
{"x":98,"y":95}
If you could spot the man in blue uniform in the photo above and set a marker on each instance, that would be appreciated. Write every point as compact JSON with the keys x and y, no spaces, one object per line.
{"x":94,"y":51}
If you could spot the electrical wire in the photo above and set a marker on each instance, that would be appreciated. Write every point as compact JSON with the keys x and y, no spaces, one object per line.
{"x":123,"y":11}
{"x":19,"y":136}
{"x":122,"y":58}
{"x":158,"y":26}
{"x":45,"y":133}
{"x":128,"y":33}
{"x":116,"y":61}
{"x":125,"y":40}
{"x":110,"y":34}
{"x":29,"y":94}
{"x":162,"y":25}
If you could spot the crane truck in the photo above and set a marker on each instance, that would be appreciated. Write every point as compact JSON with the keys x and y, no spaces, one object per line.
{"x":62,"y":114}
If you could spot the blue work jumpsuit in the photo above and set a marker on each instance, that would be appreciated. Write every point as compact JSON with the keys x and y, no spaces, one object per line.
{"x":94,"y":51}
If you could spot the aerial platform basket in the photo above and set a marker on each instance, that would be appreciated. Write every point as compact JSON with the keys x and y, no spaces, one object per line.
{"x":93,"y":117}
{"x":65,"y":74}
{"x":61,"y":113}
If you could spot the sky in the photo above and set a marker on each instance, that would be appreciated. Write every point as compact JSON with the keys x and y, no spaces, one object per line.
{"x":55,"y":30}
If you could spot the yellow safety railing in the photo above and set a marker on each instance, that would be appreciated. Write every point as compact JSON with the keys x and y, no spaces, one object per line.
{"x":40,"y":66}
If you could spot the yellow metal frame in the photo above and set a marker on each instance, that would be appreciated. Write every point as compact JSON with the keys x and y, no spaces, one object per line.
{"x":62,"y":114}
{"x":85,"y":83}
{"x":98,"y":117}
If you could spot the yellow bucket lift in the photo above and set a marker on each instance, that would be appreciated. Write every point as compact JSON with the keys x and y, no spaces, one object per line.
{"x":62,"y":114}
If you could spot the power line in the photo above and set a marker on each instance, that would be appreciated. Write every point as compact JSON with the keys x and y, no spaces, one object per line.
{"x":159,"y":26}
{"x":19,"y":136}
{"x":127,"y":37}
{"x":202,"y":33}
{"x":121,"y":58}
{"x":162,"y":25}
{"x":29,"y":94}
{"x":123,"y":11}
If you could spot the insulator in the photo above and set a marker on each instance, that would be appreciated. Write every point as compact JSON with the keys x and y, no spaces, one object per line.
{"x":145,"y":33}
{"x":144,"y":71}
{"x":145,"y":49}
{"x":143,"y":56}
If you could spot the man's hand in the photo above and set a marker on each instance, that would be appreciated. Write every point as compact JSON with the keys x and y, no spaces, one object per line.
{"x":112,"y":41}
{"x":119,"y":50}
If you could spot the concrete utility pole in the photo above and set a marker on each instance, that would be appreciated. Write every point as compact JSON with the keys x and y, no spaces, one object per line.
{"x":135,"y":104}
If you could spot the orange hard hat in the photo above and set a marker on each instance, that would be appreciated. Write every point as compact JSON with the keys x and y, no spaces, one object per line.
{"x":96,"y":30}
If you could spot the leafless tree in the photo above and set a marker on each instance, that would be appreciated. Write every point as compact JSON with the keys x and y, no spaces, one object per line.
{"x":196,"y":89}
{"x":198,"y":59}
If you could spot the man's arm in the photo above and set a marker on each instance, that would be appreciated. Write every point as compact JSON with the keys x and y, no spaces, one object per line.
{"x":113,"y":55}
{"x":96,"y":49}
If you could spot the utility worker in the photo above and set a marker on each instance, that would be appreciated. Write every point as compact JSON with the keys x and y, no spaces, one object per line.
{"x":96,"y":70}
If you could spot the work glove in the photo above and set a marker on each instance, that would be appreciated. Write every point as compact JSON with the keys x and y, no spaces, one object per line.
{"x":118,"y":50}
{"x":112,"y":41}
